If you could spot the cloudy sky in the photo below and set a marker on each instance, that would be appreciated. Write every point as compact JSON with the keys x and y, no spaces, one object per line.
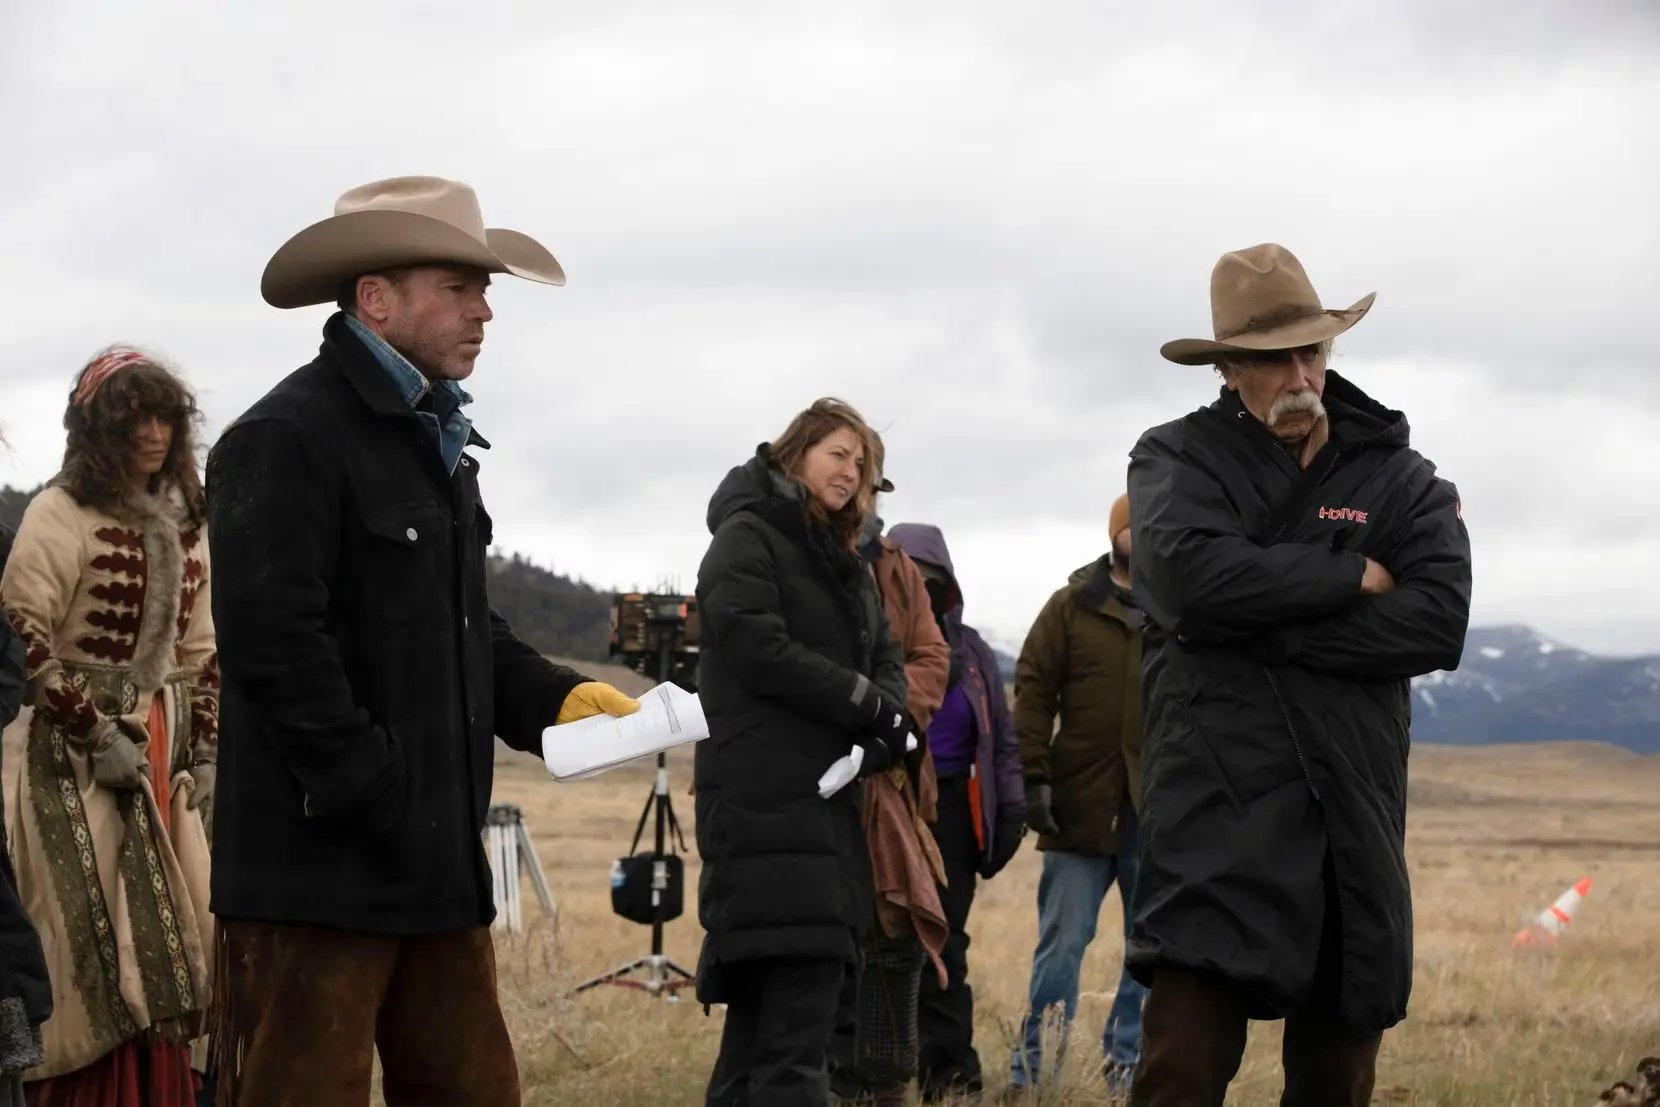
{"x":975,"y":221}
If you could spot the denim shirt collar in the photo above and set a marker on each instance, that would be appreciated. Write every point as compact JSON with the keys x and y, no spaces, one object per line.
{"x":412,"y":385}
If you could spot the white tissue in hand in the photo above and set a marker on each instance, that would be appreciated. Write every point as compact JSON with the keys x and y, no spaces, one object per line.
{"x":842,"y":773}
{"x":846,"y":769}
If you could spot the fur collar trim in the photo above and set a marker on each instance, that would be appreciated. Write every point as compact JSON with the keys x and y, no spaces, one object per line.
{"x":159,"y":519}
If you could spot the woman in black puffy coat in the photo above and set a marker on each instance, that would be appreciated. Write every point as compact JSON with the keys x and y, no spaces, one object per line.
{"x":797,"y":668}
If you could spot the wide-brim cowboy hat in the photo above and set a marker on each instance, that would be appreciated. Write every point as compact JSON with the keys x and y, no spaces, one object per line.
{"x":1261,"y":299}
{"x":398,"y":221}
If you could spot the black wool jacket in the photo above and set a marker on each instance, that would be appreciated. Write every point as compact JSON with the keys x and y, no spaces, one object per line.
{"x":365,"y":674}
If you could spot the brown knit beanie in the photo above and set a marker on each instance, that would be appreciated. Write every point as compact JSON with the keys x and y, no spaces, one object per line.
{"x":1119,"y":517}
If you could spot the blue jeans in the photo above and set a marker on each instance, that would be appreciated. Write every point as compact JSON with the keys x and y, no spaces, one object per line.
{"x":1069,"y":901}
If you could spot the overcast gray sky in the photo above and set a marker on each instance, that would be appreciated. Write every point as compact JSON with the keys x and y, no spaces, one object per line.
{"x":975,"y":221}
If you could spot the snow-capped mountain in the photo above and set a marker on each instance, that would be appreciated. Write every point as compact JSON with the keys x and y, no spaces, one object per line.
{"x":1498,"y":663}
{"x":1515,"y":685}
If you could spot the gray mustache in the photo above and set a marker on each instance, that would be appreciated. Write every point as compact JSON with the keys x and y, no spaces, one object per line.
{"x":1292,"y":403}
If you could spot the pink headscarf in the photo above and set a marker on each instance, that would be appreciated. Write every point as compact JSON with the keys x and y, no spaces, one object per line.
{"x":101,"y":369}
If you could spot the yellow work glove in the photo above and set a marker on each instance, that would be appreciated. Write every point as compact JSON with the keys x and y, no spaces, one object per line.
{"x":593,"y":698}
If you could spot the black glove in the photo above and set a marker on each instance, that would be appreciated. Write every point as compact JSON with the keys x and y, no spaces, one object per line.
{"x":877,"y":758}
{"x":1040,"y":809}
{"x":1005,"y":841}
{"x":890,"y":727}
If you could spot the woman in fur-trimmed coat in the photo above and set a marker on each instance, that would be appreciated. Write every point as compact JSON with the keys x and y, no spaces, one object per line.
{"x":107,"y":587}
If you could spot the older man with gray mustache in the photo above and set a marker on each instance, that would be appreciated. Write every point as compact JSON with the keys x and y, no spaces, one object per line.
{"x":1298,"y":562}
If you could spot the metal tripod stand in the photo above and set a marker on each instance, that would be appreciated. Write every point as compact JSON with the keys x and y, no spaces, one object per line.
{"x":663,"y":976}
{"x":508,"y":846}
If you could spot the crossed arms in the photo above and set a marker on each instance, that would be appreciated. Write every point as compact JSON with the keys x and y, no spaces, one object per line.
{"x":1203,"y":579}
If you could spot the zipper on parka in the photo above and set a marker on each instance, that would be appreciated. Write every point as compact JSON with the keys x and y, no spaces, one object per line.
{"x":1296,"y":745}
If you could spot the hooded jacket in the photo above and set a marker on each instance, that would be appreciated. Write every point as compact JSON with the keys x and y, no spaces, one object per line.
{"x":1082,"y":662}
{"x":1277,"y":696}
{"x":1001,"y":792}
{"x":911,"y":620}
{"x":795,"y":653}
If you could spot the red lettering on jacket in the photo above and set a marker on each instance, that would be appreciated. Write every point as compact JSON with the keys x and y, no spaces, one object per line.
{"x":1343,"y":514}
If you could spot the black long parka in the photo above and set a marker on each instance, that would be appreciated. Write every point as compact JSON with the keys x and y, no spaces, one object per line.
{"x":1277,"y":698}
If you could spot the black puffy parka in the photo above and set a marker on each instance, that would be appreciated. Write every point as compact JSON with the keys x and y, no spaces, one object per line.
{"x":795,"y":653}
{"x":1277,"y":698}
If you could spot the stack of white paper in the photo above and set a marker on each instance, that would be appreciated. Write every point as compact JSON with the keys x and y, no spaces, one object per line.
{"x":669,"y":716}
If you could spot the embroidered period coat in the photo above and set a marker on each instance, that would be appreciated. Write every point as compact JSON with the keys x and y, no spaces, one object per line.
{"x":113,"y":611}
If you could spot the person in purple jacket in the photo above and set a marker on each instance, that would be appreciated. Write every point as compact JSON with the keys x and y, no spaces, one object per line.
{"x":982,"y":813}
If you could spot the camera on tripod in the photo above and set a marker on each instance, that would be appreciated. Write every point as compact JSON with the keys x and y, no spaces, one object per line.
{"x":656,"y":635}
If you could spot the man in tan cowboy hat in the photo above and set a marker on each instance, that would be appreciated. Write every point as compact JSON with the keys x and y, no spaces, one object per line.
{"x":365,"y":675}
{"x":1298,"y":562}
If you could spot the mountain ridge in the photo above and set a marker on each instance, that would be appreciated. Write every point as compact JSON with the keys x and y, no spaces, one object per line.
{"x":1514,"y":684}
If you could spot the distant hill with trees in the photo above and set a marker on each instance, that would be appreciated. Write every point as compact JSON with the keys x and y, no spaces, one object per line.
{"x":556,"y":614}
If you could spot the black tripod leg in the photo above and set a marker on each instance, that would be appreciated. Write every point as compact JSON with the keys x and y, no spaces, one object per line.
{"x":640,"y":827}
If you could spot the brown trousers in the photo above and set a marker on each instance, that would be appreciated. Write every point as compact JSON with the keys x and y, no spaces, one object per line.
{"x":308,"y":1006}
{"x":1193,"y":1036}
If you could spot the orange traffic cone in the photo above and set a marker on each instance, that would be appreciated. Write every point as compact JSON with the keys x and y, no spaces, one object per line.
{"x":1550,"y":922}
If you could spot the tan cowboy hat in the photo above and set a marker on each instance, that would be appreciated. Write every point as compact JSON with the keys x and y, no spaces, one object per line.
{"x":1260,"y":299}
{"x":398,"y":221}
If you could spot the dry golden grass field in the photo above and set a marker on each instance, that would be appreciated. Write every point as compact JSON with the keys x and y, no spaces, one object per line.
{"x":1494,"y":836}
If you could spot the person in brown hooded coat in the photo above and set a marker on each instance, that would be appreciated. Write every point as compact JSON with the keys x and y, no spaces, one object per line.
{"x":874,"y":1048}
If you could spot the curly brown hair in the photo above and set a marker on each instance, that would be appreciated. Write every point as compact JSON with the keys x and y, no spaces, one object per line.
{"x":100,"y":445}
{"x":808,"y":429}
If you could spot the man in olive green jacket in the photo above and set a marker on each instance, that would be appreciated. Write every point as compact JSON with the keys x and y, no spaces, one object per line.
{"x":1081,"y":665}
